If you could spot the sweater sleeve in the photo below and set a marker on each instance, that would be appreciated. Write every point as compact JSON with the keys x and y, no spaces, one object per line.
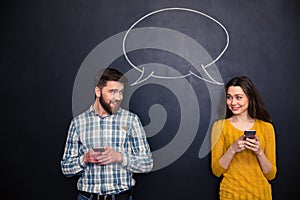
{"x":270,"y":151}
{"x":217,"y":143}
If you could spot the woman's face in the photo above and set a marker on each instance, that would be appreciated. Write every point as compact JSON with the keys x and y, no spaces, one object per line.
{"x":237,"y":101}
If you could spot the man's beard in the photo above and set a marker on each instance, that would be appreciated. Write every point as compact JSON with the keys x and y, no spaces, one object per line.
{"x":107,"y":107}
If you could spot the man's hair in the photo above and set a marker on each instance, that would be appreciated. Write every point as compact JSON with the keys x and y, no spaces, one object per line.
{"x":109,"y":74}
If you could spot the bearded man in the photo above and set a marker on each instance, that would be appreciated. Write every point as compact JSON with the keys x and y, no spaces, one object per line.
{"x":106,"y":144}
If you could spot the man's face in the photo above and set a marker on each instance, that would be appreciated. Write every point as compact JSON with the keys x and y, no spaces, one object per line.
{"x":111,"y":96}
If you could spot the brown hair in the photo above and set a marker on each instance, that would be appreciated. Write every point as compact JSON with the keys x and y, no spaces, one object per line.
{"x":109,"y":74}
{"x":256,"y":108}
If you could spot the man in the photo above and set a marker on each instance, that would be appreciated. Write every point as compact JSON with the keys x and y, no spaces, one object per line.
{"x":106,"y":144}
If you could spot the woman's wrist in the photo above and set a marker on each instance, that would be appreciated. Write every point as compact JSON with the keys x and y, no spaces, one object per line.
{"x":231,"y":150}
{"x":259,"y":153}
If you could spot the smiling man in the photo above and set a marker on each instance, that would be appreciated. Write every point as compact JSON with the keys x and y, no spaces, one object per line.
{"x":106,"y":144}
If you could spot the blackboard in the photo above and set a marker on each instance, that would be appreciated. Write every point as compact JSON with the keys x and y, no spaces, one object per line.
{"x":48,"y":49}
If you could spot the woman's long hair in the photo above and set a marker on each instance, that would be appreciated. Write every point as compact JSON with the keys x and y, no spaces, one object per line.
{"x":256,"y":108}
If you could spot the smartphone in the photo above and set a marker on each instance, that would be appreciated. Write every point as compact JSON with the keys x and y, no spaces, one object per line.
{"x":249,"y":134}
{"x":99,"y":149}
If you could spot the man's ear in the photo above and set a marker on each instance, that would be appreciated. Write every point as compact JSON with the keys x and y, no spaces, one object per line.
{"x":97,"y":91}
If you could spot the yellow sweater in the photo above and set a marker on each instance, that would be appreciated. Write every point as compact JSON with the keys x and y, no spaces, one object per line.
{"x":244,"y":178}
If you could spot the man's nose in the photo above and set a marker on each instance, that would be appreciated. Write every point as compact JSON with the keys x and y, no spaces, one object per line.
{"x":118,"y":95}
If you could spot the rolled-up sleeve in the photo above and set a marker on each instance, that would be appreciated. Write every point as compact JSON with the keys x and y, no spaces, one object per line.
{"x":139,"y":160}
{"x":72,"y":163}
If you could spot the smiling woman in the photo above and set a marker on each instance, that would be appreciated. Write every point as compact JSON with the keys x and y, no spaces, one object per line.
{"x":237,"y":100}
{"x":232,"y":151}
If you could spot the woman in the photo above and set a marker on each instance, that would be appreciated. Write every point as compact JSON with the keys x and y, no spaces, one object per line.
{"x":246,"y":164}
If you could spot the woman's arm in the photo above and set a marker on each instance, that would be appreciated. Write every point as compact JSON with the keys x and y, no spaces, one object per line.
{"x":266,"y":157}
{"x":236,"y":147}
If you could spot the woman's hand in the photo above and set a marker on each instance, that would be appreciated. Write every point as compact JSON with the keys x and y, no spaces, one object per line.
{"x":238,"y":145}
{"x":253,"y":144}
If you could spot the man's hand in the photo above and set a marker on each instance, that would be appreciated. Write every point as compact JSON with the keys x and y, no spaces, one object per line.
{"x":108,"y":156}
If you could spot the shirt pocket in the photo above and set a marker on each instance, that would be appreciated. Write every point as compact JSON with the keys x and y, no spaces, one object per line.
{"x":121,"y":140}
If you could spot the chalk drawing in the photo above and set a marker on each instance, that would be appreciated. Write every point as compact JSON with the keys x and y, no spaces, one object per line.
{"x":144,"y":76}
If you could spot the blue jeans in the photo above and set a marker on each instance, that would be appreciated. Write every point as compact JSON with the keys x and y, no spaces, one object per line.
{"x":81,"y":197}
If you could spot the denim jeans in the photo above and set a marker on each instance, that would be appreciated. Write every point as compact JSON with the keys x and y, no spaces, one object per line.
{"x":81,"y":197}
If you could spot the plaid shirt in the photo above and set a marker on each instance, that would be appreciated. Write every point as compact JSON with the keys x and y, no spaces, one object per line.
{"x":124,"y":133}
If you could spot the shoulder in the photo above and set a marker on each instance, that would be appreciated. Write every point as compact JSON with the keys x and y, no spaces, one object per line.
{"x":128,"y":115}
{"x":264,"y":124}
{"x":130,"y":118}
{"x":125,"y":112}
{"x":220,"y":123}
{"x":265,"y":127}
{"x":217,"y":130}
{"x":84,"y":115}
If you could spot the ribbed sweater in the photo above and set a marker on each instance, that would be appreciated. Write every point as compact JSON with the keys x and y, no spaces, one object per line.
{"x":244,"y":178}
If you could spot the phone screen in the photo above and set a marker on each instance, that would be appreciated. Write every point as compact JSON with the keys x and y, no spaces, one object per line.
{"x":99,"y":149}
{"x":249,"y":134}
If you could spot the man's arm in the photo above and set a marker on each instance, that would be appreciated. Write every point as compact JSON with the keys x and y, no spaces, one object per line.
{"x":72,"y":162}
{"x":139,"y":160}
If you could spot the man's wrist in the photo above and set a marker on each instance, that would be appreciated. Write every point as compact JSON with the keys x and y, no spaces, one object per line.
{"x":82,"y":162}
{"x":85,"y":161}
{"x":120,"y":158}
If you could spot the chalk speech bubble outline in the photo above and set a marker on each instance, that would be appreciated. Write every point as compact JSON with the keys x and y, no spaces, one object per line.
{"x":151,"y":74}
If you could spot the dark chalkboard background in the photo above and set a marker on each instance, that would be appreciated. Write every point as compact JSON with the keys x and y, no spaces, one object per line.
{"x":43,"y":44}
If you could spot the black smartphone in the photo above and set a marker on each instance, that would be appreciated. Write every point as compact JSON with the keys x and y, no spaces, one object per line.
{"x":99,"y":149}
{"x":249,"y":134}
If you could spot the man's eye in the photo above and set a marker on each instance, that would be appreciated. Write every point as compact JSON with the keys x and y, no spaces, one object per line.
{"x":116,"y":92}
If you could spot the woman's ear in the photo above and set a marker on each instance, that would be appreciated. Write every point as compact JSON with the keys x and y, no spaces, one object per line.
{"x":97,"y":92}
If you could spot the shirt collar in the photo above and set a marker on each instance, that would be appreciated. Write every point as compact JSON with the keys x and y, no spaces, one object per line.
{"x":92,"y":111}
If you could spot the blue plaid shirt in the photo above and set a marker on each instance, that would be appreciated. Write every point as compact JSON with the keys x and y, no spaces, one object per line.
{"x":124,"y":133}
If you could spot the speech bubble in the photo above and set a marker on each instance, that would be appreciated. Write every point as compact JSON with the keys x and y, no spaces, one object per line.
{"x":146,"y":73}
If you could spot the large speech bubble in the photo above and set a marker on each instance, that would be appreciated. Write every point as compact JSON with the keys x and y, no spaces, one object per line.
{"x":147,"y":73}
